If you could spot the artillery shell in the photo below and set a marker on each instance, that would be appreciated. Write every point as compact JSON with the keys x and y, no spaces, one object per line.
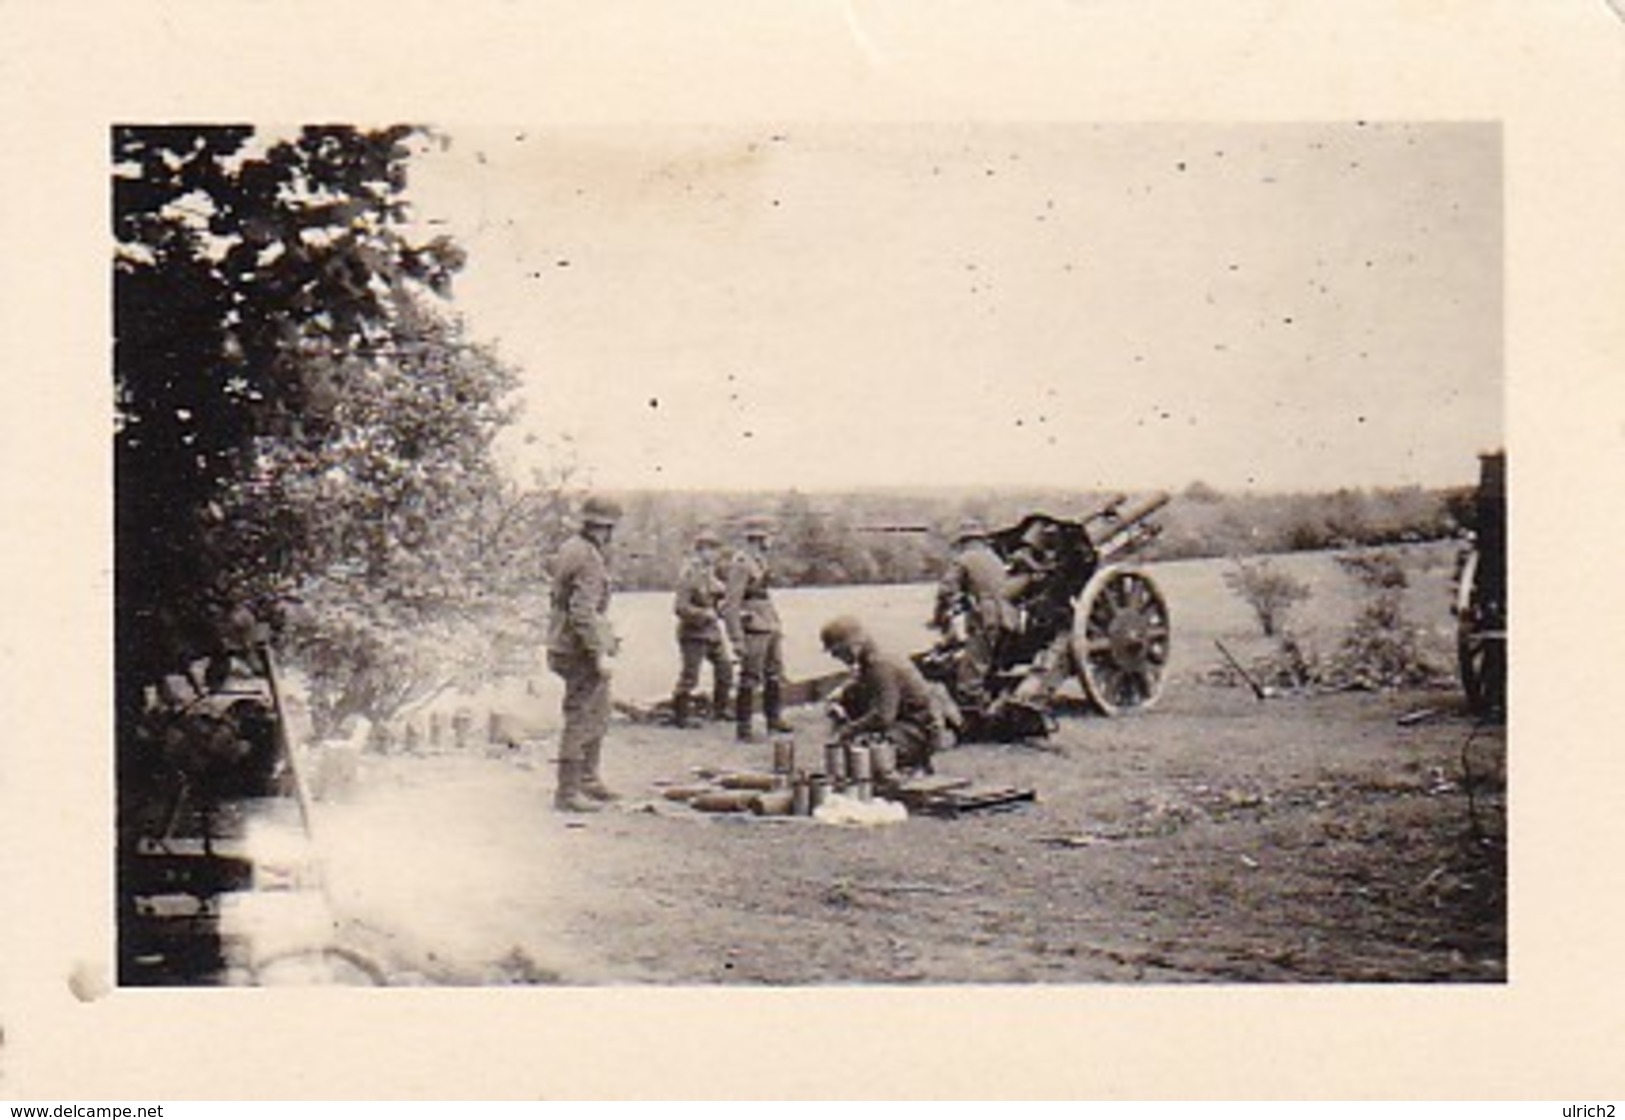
{"x":817,"y":791}
{"x":779,"y":803}
{"x":684,"y":793}
{"x":760,"y":782}
{"x":725,"y":801}
{"x":801,"y":797}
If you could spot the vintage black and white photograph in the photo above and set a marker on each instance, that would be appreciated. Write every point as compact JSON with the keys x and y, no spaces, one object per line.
{"x":810,"y":554}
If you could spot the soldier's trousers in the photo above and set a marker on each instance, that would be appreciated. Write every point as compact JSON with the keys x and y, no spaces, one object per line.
{"x":761,"y":661}
{"x":586,"y":704}
{"x":696,"y":652}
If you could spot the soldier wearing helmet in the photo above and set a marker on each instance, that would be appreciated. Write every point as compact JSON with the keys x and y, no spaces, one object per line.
{"x":700,"y":591}
{"x":973,"y":603}
{"x":887,"y":696}
{"x":753,"y":627}
{"x":580,"y":644}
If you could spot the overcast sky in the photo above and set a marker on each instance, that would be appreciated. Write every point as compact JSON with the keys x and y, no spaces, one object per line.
{"x":1271,"y":307}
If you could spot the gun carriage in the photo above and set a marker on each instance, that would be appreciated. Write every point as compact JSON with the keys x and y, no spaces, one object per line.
{"x":1082,"y":611}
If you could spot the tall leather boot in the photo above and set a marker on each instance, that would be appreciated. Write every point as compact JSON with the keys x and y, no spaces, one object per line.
{"x":592,"y":783}
{"x":744,"y":703}
{"x":568,"y":797}
{"x":681,"y":704}
{"x":773,"y":708}
{"x":721,"y":702}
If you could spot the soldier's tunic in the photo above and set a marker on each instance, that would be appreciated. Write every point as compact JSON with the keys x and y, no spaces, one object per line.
{"x":889,"y":697}
{"x":578,"y":638}
{"x":976,"y":583}
{"x":753,"y":621}
{"x":699,"y":631}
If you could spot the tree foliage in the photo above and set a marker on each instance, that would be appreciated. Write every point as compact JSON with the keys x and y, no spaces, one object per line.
{"x":299,"y":417}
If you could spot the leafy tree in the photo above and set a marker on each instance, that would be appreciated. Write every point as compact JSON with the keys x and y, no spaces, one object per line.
{"x":299,"y":418}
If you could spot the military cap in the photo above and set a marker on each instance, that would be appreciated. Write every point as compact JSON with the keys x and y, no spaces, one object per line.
{"x":969,"y":529}
{"x":600,"y":511}
{"x":843,"y":630}
{"x":707,"y":537}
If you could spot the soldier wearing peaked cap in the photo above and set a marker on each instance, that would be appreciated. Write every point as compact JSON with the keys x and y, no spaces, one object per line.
{"x":700,"y":592}
{"x":580,"y":644}
{"x":754,"y":629}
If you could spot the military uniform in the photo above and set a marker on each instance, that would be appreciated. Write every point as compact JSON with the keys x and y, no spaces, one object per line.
{"x":579,"y":639}
{"x":757,"y":637}
{"x":699,"y":638}
{"x":889,"y":697}
{"x":976,"y":585}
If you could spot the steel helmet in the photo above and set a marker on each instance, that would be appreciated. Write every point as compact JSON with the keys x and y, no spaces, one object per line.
{"x":757,"y":527}
{"x":706,"y":538}
{"x":841,"y":631}
{"x":600,"y":511}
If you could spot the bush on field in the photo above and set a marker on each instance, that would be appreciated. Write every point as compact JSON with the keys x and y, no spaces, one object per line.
{"x":1383,"y":647}
{"x":1270,"y":592}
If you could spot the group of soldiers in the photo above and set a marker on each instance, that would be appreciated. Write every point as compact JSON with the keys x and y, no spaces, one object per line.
{"x":726,"y":616}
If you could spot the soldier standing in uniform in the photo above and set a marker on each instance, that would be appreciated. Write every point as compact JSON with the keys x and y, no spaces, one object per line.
{"x":580,"y":644}
{"x":754,"y":630}
{"x":887,"y":696}
{"x":975,"y":588}
{"x":699,"y":631}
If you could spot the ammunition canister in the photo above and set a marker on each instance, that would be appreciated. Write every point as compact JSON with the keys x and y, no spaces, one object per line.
{"x":883,"y":759}
{"x":859,"y":764}
{"x":835,"y":763}
{"x":784,"y":756}
{"x":800,"y":796}
{"x":817,"y":791}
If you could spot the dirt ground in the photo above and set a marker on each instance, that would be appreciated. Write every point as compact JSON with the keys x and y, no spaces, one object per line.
{"x":1215,"y":838}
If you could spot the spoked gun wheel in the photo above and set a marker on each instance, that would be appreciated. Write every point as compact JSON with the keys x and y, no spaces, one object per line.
{"x":1122,"y":640}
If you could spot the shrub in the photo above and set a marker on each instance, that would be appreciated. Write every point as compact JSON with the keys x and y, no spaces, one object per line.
{"x":1380,"y":570}
{"x":1383,"y":648}
{"x":1270,"y":593}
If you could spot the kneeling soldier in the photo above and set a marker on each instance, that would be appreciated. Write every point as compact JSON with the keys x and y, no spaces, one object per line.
{"x":887,"y":696}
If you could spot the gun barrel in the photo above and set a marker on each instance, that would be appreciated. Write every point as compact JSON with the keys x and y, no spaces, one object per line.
{"x":1108,"y":510}
{"x":1145,"y":509}
{"x":1130,"y":531}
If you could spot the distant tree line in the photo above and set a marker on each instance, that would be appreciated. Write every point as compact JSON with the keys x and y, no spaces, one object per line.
{"x":887,"y":536}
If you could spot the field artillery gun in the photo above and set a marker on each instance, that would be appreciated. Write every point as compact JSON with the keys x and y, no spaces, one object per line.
{"x":1481,"y":595}
{"x":1080,"y":610}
